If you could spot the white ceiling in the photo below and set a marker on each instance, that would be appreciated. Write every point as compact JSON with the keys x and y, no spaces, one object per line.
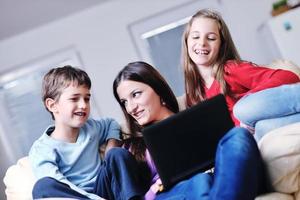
{"x":17,"y":16}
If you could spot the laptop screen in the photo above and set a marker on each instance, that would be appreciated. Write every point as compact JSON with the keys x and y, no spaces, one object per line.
{"x":186,"y":142}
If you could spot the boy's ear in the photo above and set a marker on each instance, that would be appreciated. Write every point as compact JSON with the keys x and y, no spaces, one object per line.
{"x":51,"y":105}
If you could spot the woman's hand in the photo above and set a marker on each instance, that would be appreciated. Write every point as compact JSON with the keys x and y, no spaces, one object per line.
{"x":157,"y":186}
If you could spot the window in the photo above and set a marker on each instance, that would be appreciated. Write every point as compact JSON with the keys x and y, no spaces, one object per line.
{"x":158,"y":40}
{"x":164,"y":48}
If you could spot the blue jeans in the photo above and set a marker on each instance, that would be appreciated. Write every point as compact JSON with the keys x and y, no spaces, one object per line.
{"x":197,"y":187}
{"x":269,"y":109}
{"x":117,"y":179}
{"x":239,"y":173}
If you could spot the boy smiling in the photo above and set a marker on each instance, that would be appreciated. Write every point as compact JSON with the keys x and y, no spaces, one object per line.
{"x":65,"y":159}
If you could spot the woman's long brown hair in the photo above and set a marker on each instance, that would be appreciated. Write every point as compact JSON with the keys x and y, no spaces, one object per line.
{"x":144,"y":73}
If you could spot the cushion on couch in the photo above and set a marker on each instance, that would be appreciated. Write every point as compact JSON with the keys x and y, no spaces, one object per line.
{"x":297,"y":195}
{"x":285,"y":64}
{"x":19,"y":180}
{"x":275,"y":196}
{"x":280,"y":150}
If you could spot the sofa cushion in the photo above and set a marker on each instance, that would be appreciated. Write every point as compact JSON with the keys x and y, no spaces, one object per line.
{"x":275,"y":196}
{"x":285,"y":64}
{"x":280,"y":150}
{"x":19,"y":180}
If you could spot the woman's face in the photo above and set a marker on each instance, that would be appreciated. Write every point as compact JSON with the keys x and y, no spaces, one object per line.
{"x":204,"y":41}
{"x":141,"y":102}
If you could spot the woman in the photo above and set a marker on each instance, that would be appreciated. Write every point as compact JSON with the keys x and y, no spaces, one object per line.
{"x":212,"y":65}
{"x":146,"y":98}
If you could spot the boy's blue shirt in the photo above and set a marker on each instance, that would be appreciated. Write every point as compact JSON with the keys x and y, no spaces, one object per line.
{"x":75,"y":164}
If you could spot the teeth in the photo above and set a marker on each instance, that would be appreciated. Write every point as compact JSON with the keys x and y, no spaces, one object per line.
{"x":80,"y":114}
{"x":197,"y":51}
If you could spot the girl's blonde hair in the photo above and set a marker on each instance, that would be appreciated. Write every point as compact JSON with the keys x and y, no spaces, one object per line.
{"x":194,"y":83}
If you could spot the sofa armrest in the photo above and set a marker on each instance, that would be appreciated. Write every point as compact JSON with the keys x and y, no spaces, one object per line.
{"x":280,"y":150}
{"x":285,"y":64}
{"x":275,"y":196}
{"x":19,"y":180}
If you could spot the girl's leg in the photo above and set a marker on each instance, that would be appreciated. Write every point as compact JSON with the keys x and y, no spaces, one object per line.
{"x":196,"y":187}
{"x":50,"y":187}
{"x":239,"y":171}
{"x":262,"y":127}
{"x":269,"y":103}
{"x":118,"y":178}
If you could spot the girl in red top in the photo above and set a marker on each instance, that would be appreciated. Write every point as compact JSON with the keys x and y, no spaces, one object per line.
{"x":212,"y":65}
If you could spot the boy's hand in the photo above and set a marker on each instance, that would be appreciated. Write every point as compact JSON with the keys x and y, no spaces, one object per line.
{"x":112,"y":143}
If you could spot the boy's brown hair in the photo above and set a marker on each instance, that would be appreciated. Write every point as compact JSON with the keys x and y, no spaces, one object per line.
{"x":60,"y":78}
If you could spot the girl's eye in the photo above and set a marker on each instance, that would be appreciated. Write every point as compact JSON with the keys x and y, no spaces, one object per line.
{"x":211,"y":38}
{"x":87,"y":100}
{"x":74,"y":99}
{"x":195,"y":36}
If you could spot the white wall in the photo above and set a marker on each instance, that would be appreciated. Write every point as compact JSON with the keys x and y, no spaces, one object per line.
{"x":101,"y":37}
{"x":243,"y":18}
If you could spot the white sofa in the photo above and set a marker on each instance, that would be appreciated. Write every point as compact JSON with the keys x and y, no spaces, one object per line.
{"x":280,"y":150}
{"x":19,"y":180}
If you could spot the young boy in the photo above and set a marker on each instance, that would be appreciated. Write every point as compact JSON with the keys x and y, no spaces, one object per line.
{"x":65,"y":159}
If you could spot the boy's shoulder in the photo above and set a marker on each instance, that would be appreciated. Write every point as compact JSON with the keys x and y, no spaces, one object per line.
{"x":45,"y":138}
{"x":107,"y":127}
{"x":101,"y":123}
{"x":43,"y":146}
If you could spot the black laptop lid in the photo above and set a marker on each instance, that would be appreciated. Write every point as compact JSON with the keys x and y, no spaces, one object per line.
{"x":186,"y":142}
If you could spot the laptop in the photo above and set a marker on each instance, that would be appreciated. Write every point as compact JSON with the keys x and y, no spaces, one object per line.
{"x":185,"y":143}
